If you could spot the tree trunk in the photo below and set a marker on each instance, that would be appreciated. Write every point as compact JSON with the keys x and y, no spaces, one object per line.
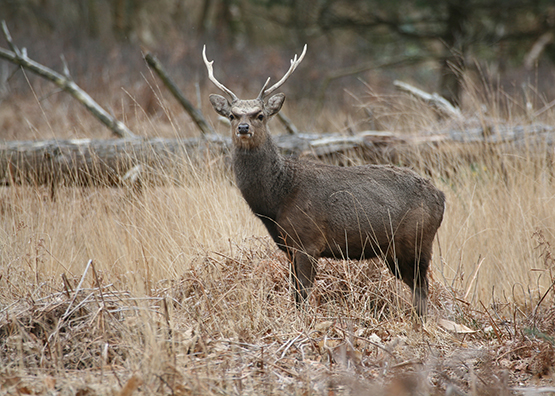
{"x":455,"y":39}
{"x":203,"y":19}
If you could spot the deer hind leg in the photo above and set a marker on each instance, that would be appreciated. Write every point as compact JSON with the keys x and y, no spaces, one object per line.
{"x":419,"y":287}
{"x":420,"y":300}
{"x":413,"y":272}
{"x":303,"y":272}
{"x":420,"y":292}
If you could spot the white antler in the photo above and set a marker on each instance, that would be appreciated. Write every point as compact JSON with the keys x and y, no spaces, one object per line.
{"x":213,"y":79}
{"x":294,"y":63}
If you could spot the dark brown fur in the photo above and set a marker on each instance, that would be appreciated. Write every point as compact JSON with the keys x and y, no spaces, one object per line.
{"x":313,"y":210}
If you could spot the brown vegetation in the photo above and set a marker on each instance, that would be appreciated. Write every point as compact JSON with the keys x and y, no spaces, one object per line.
{"x":187,"y":295}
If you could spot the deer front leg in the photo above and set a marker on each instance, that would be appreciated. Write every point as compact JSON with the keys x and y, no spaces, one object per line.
{"x":303,"y":272}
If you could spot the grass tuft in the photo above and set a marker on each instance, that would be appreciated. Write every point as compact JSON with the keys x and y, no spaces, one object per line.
{"x":186,"y":294}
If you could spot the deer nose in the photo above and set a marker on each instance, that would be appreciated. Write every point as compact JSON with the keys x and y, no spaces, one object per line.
{"x":243,"y":128}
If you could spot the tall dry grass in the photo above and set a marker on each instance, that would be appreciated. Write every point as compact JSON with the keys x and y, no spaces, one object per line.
{"x":186,"y":294}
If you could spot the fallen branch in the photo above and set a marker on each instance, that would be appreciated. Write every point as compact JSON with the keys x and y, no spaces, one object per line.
{"x":537,"y":49}
{"x":195,"y":114}
{"x":116,"y":162}
{"x":288,"y":124}
{"x":135,"y":161}
{"x":19,"y":57}
{"x":435,"y":100}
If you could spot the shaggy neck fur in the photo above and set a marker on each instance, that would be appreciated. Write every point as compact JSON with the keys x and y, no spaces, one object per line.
{"x":264,"y":177}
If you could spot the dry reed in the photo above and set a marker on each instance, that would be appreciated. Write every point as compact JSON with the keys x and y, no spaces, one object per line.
{"x":186,"y":294}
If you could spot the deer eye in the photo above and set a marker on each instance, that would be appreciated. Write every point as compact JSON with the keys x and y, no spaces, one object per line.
{"x":260,"y":117}
{"x":231,"y":117}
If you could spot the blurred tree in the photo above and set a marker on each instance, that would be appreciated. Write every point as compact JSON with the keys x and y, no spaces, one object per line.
{"x":226,"y":22}
{"x":123,"y":15}
{"x":451,"y":30}
{"x":203,"y":19}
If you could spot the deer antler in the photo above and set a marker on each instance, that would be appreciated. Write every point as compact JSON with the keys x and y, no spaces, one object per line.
{"x":294,"y":63}
{"x":213,"y":79}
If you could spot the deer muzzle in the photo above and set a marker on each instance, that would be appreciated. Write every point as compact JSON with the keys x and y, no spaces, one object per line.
{"x":243,"y":130}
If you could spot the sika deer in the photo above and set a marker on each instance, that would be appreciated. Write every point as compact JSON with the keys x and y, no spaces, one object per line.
{"x":314,"y":210}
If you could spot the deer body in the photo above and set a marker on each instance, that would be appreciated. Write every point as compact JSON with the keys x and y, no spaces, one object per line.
{"x":314,"y":210}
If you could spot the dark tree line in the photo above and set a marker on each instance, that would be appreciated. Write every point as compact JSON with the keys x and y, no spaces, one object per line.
{"x":508,"y":32}
{"x":448,"y":30}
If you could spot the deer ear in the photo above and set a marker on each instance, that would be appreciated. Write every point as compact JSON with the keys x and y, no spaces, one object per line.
{"x":274,"y":104}
{"x":221,"y":105}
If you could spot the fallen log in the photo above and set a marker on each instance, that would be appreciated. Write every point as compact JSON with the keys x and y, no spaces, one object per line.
{"x":118,"y":162}
{"x":112,"y":162}
{"x":96,"y":162}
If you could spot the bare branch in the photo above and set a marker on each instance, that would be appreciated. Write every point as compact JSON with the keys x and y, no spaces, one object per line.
{"x":439,"y":102}
{"x":195,"y":114}
{"x":8,"y":37}
{"x":66,"y":67}
{"x":20,"y":58}
{"x":294,"y":63}
{"x":213,"y":79}
{"x":537,"y":49}
{"x":288,"y":124}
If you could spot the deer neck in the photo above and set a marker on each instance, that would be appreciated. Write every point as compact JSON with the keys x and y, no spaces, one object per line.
{"x":263,"y":177}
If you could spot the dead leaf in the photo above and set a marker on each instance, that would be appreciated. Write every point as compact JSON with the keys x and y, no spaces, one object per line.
{"x":327,"y":343}
{"x":25,"y":390}
{"x":10,"y":381}
{"x":455,"y":327}
{"x":85,"y":391}
{"x":50,"y":382}
{"x":323,"y":326}
{"x":131,"y":386}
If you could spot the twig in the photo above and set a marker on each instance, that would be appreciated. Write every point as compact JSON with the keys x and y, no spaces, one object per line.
{"x":511,"y":351}
{"x":474,"y":278}
{"x":195,"y":114}
{"x":99,"y":286}
{"x":288,"y":345}
{"x":406,"y":363}
{"x":545,"y":389}
{"x":539,"y":303}
{"x":66,"y":67}
{"x":67,"y":285}
{"x":19,"y":57}
{"x":77,"y":290}
{"x":8,"y":37}
{"x":493,"y":325}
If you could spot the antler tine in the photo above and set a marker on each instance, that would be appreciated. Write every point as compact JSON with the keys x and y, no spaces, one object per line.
{"x":294,"y":64}
{"x":261,"y":94}
{"x":213,"y":79}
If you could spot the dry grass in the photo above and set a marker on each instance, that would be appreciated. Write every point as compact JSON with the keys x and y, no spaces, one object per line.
{"x":186,"y":294}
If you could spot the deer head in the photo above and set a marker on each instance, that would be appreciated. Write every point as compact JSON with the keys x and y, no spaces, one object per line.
{"x":249,"y":117}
